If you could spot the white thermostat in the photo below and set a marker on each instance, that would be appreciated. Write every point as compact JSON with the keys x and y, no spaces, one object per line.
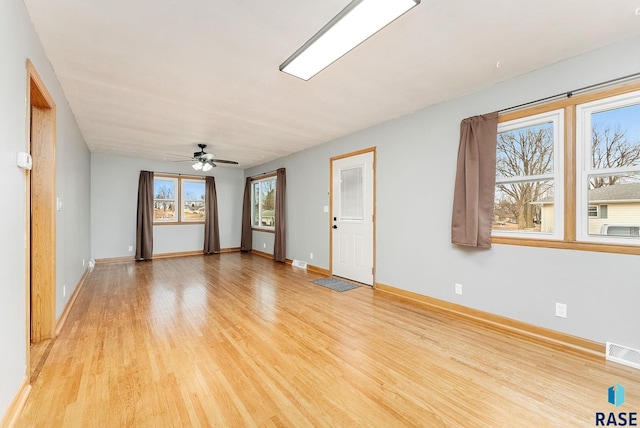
{"x":24,"y":160}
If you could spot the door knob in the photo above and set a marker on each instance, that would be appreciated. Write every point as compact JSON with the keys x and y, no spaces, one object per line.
{"x":335,"y":227}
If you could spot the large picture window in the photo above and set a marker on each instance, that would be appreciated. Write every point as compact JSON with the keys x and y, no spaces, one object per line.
{"x":263,"y":203}
{"x":588,"y":201}
{"x":178,"y":200}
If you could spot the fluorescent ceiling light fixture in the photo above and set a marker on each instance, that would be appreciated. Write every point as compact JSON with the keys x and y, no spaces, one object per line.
{"x":353,"y":25}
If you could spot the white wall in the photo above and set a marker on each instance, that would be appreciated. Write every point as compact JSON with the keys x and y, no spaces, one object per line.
{"x":415,"y":180}
{"x":18,"y":41}
{"x":114,"y":196}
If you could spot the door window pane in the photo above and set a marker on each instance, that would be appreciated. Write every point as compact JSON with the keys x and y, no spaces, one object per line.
{"x":352,"y":194}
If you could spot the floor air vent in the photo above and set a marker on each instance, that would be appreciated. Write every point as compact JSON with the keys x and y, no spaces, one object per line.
{"x":623,"y":355}
{"x":299,"y":264}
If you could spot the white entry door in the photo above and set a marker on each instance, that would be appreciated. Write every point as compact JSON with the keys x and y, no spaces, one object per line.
{"x":352,"y":217}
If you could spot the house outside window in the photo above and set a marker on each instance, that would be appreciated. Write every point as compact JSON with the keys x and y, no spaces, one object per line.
{"x":263,"y":203}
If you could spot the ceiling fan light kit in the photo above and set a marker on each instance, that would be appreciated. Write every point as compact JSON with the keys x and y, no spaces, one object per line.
{"x":205,"y":161}
{"x":357,"y":22}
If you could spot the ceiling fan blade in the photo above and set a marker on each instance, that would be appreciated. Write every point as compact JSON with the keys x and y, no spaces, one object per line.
{"x":224,"y":161}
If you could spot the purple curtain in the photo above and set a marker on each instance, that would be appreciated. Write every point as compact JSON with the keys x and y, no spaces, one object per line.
{"x":211,"y":231}
{"x":279,"y":245}
{"x":246,"y":243}
{"x":144,"y":220}
{"x":473,"y":199}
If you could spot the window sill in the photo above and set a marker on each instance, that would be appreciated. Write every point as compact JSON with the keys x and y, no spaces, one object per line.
{"x":566,"y":245}
{"x":177,"y":223}
{"x":260,"y":229}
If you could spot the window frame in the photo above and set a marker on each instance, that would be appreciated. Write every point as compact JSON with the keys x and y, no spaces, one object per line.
{"x":584,"y":112}
{"x":254,"y":181}
{"x":183,"y":200}
{"x":557,"y":118}
{"x":175,"y":199}
{"x":570,"y":166}
{"x":179,"y":199}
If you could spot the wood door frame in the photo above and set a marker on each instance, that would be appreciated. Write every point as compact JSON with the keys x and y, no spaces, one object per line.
{"x":44,"y":211}
{"x":331,"y":160}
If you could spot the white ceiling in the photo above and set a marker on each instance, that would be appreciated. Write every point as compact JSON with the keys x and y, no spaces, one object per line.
{"x":149,"y":77}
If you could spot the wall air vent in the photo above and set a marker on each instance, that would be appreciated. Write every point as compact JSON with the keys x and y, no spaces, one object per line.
{"x":623,"y":355}
{"x":299,"y":264}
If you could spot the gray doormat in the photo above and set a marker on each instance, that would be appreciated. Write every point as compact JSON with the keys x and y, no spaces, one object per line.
{"x":336,"y":284}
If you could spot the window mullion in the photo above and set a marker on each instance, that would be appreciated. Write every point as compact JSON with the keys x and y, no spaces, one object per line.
{"x":570,"y":168}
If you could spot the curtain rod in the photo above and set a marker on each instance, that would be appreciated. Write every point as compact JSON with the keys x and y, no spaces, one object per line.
{"x":275,"y":171}
{"x":569,"y":94}
{"x":180,"y":175}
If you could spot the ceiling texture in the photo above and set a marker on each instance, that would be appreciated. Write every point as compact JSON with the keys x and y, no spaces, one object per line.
{"x":151,"y":78}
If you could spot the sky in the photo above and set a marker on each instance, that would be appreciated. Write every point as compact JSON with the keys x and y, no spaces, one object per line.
{"x":189,"y":189}
{"x":627,"y":117}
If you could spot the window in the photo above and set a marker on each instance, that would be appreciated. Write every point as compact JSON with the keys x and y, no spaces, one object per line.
{"x":603,"y":211}
{"x":263,"y":203}
{"x":171,"y":192}
{"x":528,"y":177}
{"x":193,"y":192}
{"x":608,"y":177}
{"x":164,"y":200}
{"x":599,"y":181}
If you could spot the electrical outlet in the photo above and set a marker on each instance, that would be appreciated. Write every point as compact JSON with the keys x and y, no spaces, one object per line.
{"x":310,"y":256}
{"x":458,"y":288}
{"x":561,"y":310}
{"x":130,"y":248}
{"x":64,"y":291}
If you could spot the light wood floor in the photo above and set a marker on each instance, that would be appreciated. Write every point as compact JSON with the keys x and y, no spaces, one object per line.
{"x":236,"y":340}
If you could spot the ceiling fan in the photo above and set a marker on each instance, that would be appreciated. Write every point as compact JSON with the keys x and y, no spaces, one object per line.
{"x":204,"y":161}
